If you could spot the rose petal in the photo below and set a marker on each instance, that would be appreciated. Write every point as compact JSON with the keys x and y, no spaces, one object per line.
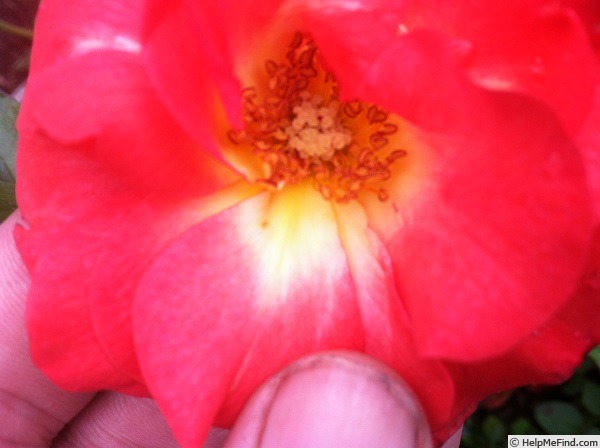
{"x":255,"y":288}
{"x":555,"y":42}
{"x":499,"y":221}
{"x":588,"y":141}
{"x":388,"y":330}
{"x":85,"y":213}
{"x":190,"y":91}
{"x":66,"y":30}
{"x":549,"y":354}
{"x":589,"y":11}
{"x":55,"y":298}
{"x":141,"y":231}
{"x":487,"y":41}
{"x":118,"y":231}
{"x":135,"y":137}
{"x":474,"y":249}
{"x":213,"y":39}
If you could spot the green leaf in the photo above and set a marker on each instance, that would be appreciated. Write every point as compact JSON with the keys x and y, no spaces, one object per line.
{"x":8,"y":137}
{"x":590,"y":398}
{"x":8,"y":203}
{"x":8,"y":150}
{"x":558,"y":417}
{"x":522,"y":426}
{"x":494,"y":429}
{"x":572,"y":388}
{"x":594,"y":355}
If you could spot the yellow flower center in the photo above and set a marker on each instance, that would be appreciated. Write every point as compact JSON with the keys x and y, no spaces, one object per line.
{"x":300,"y":130}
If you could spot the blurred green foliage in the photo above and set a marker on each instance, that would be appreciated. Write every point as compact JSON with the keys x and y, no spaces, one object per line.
{"x":8,"y":145}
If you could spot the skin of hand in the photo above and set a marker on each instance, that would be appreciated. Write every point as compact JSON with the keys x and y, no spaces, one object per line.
{"x":326,"y":400}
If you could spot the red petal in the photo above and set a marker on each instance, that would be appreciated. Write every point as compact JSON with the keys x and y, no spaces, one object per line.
{"x":233,"y":26}
{"x":83,"y":207}
{"x":549,"y":355}
{"x":135,"y":137}
{"x":64,"y":30}
{"x":111,"y":234}
{"x":187,"y":89}
{"x":588,"y":141}
{"x":212,"y":38}
{"x":589,"y":11}
{"x":498,"y":226}
{"x":488,"y":39}
{"x":140,"y":229}
{"x":581,"y":314}
{"x":237,"y":298}
{"x":404,"y":78}
{"x":526,"y":46}
{"x":69,"y":354}
{"x":388,"y":335}
{"x":190,"y":90}
{"x":507,"y":246}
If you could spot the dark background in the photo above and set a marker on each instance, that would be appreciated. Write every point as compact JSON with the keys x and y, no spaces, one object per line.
{"x":14,"y":49}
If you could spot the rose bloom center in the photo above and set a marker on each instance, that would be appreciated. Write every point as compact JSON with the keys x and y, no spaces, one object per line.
{"x":301,"y":132}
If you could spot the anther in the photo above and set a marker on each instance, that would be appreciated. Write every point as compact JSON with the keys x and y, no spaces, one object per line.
{"x":301,"y":131}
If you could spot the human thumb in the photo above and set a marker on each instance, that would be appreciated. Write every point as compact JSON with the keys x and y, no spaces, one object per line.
{"x":336,"y":399}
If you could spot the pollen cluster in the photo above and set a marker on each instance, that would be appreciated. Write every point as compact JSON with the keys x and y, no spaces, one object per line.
{"x":301,"y":131}
{"x":315,"y":131}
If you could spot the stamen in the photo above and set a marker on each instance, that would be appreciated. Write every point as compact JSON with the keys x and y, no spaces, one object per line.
{"x":301,"y":132}
{"x":315,"y":131}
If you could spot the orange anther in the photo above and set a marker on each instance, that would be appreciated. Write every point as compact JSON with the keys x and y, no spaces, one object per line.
{"x":282,"y":131}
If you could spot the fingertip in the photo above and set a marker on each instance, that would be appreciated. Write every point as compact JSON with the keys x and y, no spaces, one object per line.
{"x":331,"y":400}
{"x":15,"y":282}
{"x":113,"y":419}
{"x":10,"y":259}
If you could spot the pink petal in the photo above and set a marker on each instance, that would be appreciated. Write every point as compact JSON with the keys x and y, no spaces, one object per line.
{"x":528,"y":46}
{"x":212,"y":38}
{"x":135,"y":137}
{"x":388,"y":330}
{"x":70,"y":355}
{"x":255,"y":288}
{"x":549,"y":354}
{"x":487,"y":39}
{"x":139,"y":231}
{"x":187,"y":89}
{"x":498,"y":225}
{"x":65,"y":30}
{"x":115,"y":233}
{"x":477,"y":249}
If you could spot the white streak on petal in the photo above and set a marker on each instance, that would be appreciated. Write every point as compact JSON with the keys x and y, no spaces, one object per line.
{"x":117,"y":43}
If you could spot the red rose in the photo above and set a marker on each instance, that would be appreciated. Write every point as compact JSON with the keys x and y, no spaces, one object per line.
{"x":215,"y":190}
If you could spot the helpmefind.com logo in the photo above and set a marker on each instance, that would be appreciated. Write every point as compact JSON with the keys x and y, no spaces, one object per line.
{"x":515,"y":441}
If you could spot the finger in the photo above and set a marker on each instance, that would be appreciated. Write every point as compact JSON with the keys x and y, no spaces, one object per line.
{"x":113,"y":420}
{"x":32,"y":410}
{"x":332,"y":400}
